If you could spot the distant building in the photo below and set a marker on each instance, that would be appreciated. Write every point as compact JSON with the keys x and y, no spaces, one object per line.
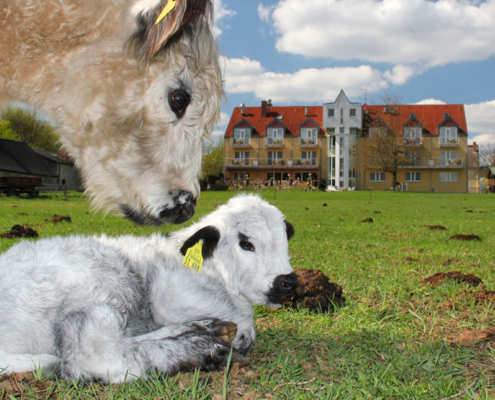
{"x":321,"y":144}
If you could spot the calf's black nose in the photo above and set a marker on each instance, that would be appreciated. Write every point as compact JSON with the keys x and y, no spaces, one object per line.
{"x":283,"y":288}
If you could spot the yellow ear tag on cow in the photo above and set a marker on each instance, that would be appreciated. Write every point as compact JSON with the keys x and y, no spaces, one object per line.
{"x":194,"y":257}
{"x":169,"y":7}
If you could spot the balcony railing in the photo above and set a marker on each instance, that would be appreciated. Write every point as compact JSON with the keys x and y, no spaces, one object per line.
{"x":433,"y":163}
{"x":291,"y":163}
{"x":308,"y":142}
{"x":449,"y":141}
{"x":270,"y":142}
{"x":412,"y":141}
{"x":240,"y":142}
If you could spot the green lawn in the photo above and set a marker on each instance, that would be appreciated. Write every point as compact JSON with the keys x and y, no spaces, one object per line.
{"x":394,"y":339}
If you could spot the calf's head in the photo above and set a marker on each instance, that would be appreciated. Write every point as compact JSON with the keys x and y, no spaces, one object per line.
{"x":245,"y":244}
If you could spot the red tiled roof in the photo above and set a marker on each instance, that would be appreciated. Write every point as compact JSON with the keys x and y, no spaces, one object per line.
{"x":431,"y":116}
{"x":292,"y":118}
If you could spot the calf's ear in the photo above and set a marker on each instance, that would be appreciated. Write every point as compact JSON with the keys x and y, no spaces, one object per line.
{"x":289,"y":229}
{"x":210,"y":236}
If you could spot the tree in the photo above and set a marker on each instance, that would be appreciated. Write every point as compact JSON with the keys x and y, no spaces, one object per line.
{"x":6,"y":131}
{"x":31,"y":128}
{"x":383,"y":147}
{"x":487,"y":155}
{"x":212,"y":164}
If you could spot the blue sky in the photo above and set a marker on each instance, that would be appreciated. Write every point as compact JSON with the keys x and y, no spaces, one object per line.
{"x":300,"y":52}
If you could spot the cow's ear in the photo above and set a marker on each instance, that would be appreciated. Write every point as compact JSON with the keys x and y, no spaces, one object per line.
{"x":289,"y":229}
{"x":210,"y":236}
{"x":157,"y":24}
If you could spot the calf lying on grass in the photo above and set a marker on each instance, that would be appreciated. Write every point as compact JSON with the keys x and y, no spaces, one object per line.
{"x":112,"y":309}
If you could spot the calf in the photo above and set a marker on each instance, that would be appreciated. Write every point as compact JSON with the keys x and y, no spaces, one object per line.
{"x":112,"y":309}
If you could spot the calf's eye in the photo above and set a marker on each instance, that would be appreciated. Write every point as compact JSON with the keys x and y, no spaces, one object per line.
{"x":246,"y":245}
{"x":179,"y":100}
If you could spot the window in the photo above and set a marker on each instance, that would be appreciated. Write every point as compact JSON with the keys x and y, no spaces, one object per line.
{"x":413,"y":176}
{"x":341,"y":115}
{"x":412,"y":136}
{"x":241,"y":157}
{"x":341,"y":167}
{"x":377,"y":176}
{"x":275,"y":158}
{"x":331,"y":112}
{"x":354,"y":131}
{"x":352,"y":112}
{"x":448,"y":176}
{"x":308,"y":158}
{"x":341,"y":146}
{"x":309,"y":136}
{"x":275,"y":136}
{"x":448,"y":157}
{"x":448,"y":136}
{"x":241,"y":136}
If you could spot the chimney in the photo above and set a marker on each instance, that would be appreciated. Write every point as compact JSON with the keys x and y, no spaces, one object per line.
{"x":242,"y":108}
{"x":264,"y":109}
{"x":475,"y":147}
{"x":269,"y":103}
{"x":306,"y":111}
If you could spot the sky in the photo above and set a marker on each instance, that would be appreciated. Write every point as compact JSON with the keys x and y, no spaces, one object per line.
{"x":303,"y":52}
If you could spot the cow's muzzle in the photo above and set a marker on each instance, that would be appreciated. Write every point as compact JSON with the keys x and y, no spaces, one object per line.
{"x":283,"y":288}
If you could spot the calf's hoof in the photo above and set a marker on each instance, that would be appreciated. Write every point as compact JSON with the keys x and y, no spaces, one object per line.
{"x":225,"y":331}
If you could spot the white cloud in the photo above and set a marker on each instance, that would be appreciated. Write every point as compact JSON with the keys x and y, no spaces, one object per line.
{"x":220,"y":12}
{"x":313,"y":86}
{"x":264,"y":12}
{"x":224,"y":120}
{"x":480,"y":120}
{"x":413,"y":35}
{"x":430,"y":101}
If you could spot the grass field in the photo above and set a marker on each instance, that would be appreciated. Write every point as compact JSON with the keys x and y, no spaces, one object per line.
{"x":396,"y":338}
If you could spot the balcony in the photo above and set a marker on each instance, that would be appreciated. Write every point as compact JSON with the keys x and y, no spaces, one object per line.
{"x":270,"y":142}
{"x":308,"y":142}
{"x":412,"y":141}
{"x":449,"y":142}
{"x":267,"y":164}
{"x":240,"y":142}
{"x":424,"y":163}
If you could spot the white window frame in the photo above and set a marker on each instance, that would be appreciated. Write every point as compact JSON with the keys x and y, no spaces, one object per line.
{"x":352,"y":112}
{"x":413,"y":176}
{"x":242,"y":135}
{"x":448,"y":157}
{"x":378,"y":176}
{"x":309,"y":156}
{"x":275,"y":156}
{"x":242,"y":156}
{"x":331,"y":112}
{"x":449,"y":136}
{"x":310,"y":134}
{"x":412,"y":135}
{"x":275,"y":134}
{"x":449,"y":176}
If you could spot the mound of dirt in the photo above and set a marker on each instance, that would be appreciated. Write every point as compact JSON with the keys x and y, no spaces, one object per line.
{"x":59,"y":218}
{"x":465,"y":237}
{"x":437,"y":227}
{"x":438,"y":278}
{"x":19,"y":231}
{"x":367,"y":220}
{"x":16,"y":384}
{"x":315,"y":292}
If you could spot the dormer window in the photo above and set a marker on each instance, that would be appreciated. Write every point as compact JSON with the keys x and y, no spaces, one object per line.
{"x":275,"y":136}
{"x":241,"y":136}
{"x":412,"y":136}
{"x":448,"y":136}
{"x":309,"y":136}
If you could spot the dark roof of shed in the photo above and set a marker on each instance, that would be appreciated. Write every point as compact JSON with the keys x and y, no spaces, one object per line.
{"x":53,"y":156}
{"x":19,"y":157}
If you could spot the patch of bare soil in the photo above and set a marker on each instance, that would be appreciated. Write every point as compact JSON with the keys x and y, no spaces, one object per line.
{"x":412,"y":259}
{"x":484,"y":296}
{"x":436,"y":227}
{"x":469,"y":211}
{"x":438,"y":278}
{"x":470,"y":337}
{"x":59,"y":218}
{"x":316,"y":292}
{"x":367,"y":220}
{"x":23,"y":385}
{"x":465,"y":237}
{"x":19,"y":231}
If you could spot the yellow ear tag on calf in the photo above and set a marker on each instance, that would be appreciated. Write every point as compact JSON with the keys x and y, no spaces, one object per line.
{"x":194,"y":257}
{"x":169,"y":7}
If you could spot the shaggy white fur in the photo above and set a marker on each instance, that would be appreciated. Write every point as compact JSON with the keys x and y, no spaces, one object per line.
{"x":133,"y":100}
{"x":112,"y":309}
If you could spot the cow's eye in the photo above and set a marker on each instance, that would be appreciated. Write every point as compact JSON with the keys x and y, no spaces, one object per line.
{"x":246,"y":245}
{"x":179,"y":100}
